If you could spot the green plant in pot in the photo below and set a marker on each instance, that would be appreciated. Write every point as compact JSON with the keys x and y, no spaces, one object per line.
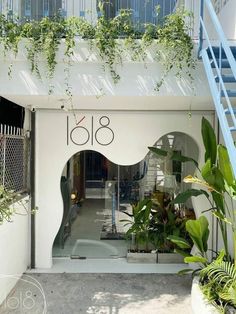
{"x":217,"y":183}
{"x":139,"y":232}
{"x":167,"y":221}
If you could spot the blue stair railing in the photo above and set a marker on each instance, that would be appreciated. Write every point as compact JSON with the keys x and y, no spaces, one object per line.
{"x":220,"y":66}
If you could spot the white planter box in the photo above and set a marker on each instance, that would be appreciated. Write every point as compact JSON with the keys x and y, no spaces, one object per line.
{"x":170,"y":258}
{"x":146,"y":258}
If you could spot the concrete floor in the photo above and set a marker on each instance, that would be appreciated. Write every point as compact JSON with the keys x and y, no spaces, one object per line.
{"x":100,"y":294}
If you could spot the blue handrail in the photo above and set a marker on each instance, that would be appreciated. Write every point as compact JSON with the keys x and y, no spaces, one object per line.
{"x":218,"y":89}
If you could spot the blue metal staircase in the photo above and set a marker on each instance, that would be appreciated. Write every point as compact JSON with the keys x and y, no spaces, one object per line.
{"x":219,"y":60}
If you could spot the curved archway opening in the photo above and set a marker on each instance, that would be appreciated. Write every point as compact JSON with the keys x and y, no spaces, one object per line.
{"x":97,"y":194}
{"x":166,"y":175}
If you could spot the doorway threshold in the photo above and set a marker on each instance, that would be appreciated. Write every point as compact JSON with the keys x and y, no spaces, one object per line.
{"x":119,"y":265}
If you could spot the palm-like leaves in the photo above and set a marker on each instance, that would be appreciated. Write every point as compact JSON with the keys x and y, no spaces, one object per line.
{"x":220,"y":276}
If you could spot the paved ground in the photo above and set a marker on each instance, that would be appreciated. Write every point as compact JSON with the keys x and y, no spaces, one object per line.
{"x":100,"y":294}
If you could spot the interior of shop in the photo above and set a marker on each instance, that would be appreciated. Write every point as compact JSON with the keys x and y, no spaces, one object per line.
{"x":98,"y":196}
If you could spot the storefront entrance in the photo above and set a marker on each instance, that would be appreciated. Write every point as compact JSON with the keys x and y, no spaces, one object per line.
{"x":97,"y":195}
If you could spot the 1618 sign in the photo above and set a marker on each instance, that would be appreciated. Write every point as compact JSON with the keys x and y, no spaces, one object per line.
{"x":90,"y":130}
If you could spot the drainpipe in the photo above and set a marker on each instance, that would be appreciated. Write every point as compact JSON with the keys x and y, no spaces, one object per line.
{"x":32,"y":188}
{"x":201,"y":29}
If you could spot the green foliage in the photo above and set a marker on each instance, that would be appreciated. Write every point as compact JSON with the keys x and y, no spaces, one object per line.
{"x":217,"y":180}
{"x":7,"y":198}
{"x":177,"y":45}
{"x":225,"y":165}
{"x":42,"y":40}
{"x":218,"y":278}
{"x":152,"y":226}
{"x":184,"y":196}
{"x":172,"y":155}
{"x":218,"y":281}
{"x":140,"y":225}
{"x":209,"y":140}
{"x":182,"y":243}
{"x":199,"y":232}
{"x":167,"y":222}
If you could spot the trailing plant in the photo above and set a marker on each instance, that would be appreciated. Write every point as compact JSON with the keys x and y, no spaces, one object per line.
{"x":7,"y":197}
{"x":8,"y":200}
{"x":42,"y":40}
{"x":177,"y":45}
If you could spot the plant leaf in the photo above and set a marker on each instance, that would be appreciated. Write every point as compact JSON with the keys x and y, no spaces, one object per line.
{"x":185,"y":271}
{"x":184,"y":196}
{"x":195,"y":259}
{"x":158,"y":151}
{"x":181,"y":242}
{"x":225,"y":165}
{"x":209,"y":140}
{"x":199,"y":232}
{"x":178,"y":157}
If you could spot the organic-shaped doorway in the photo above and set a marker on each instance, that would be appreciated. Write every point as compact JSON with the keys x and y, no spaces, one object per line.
{"x":96,"y":193}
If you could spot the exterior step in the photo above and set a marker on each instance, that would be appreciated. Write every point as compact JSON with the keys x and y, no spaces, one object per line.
{"x":224,"y":63}
{"x":228,"y":112}
{"x":216,"y":51}
{"x":231,"y":93}
{"x":226,"y":79}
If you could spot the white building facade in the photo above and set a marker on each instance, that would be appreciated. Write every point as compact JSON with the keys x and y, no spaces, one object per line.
{"x":118,"y":121}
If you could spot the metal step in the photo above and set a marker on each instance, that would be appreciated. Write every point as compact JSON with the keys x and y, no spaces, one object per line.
{"x":232,"y":129}
{"x":226,"y":79}
{"x":230,"y":93}
{"x":224,"y":63}
{"x":228,"y":112}
{"x":216,"y":51}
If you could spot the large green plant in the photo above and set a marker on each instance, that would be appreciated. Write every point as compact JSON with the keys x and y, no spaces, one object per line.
{"x":216,"y":182}
{"x":140,"y":223}
{"x":167,"y":221}
{"x":198,"y":231}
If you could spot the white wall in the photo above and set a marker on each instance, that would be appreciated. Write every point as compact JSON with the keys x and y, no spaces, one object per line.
{"x":227,"y":18}
{"x":14,"y":248}
{"x":94,"y":87}
{"x":133,"y":133}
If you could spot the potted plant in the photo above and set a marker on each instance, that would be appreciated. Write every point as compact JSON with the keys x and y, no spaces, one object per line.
{"x":140,"y":233}
{"x":167,"y":220}
{"x":217,"y":277}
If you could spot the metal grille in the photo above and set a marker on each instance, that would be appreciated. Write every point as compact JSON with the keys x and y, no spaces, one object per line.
{"x":14,"y":157}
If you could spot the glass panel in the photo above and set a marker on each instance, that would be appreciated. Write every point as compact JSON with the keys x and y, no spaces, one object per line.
{"x":91,"y":222}
{"x":46,"y":8}
{"x":28,"y":8}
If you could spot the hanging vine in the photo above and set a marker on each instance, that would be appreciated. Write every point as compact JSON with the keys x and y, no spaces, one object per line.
{"x":113,"y":38}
